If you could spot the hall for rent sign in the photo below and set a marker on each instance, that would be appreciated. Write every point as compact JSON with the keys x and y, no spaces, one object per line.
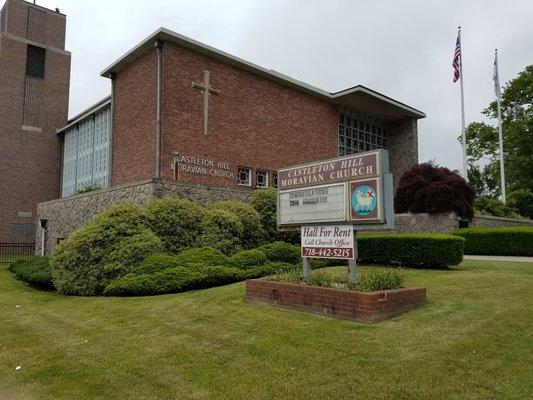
{"x":331,"y":241}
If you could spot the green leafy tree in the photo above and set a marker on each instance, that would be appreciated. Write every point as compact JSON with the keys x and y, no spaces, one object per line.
{"x":517,"y":124}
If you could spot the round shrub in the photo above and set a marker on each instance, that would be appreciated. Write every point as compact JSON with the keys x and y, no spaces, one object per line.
{"x":81,"y":264}
{"x":221,"y":230}
{"x":253,"y":233}
{"x":249,"y":259}
{"x":281,"y":251}
{"x":202,"y":255}
{"x":176,"y":222}
{"x":427,"y":188}
{"x":131,"y":250}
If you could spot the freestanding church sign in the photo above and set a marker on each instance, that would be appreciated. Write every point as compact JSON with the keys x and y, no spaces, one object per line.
{"x":325,"y":198}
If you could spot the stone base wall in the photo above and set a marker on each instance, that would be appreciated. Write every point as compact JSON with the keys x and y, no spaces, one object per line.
{"x":66,"y":214}
{"x":426,"y":223}
{"x":487,"y":221}
{"x":349,"y":304}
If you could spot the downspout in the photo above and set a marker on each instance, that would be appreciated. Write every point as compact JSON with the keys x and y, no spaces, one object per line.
{"x":113,"y":77}
{"x":158,"y":44}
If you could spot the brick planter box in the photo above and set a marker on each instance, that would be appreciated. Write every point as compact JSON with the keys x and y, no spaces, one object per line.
{"x":359,"y":306}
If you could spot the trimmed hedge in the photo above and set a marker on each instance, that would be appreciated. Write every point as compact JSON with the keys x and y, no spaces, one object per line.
{"x":498,"y":241}
{"x":35,"y":271}
{"x":417,"y":250}
{"x":188,"y":277}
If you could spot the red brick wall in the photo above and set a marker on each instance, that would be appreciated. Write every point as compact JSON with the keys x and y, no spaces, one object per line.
{"x":134,"y":121}
{"x":30,"y":162}
{"x":253,"y":123}
{"x":361,"y":306}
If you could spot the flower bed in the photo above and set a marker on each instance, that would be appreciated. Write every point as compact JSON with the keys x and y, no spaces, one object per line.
{"x":350,"y":304}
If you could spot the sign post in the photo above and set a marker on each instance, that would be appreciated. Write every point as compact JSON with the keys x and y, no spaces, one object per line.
{"x":330,"y":200}
{"x":352,"y":264}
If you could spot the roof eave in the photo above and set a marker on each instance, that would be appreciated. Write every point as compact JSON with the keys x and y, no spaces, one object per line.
{"x":86,"y":113}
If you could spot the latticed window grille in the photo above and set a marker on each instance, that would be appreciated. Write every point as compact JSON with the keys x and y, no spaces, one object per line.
{"x":358,"y":132}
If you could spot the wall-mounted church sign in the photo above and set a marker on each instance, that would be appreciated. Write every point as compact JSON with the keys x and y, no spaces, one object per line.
{"x":355,"y":190}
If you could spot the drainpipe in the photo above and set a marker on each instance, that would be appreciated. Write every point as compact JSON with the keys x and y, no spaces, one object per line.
{"x":44,"y":228}
{"x":113,"y":77}
{"x":158,"y":44}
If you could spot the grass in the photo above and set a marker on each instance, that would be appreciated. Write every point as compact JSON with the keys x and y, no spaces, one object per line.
{"x":472,"y":340}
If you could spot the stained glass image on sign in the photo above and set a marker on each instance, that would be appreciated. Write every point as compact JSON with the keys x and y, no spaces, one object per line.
{"x":364,"y":200}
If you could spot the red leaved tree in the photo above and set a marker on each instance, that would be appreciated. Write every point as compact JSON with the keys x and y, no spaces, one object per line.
{"x":428,"y":188}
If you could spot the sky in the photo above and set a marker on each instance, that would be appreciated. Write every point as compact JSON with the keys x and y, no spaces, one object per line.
{"x":403,"y":49}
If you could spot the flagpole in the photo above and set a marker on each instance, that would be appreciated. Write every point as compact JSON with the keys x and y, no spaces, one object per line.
{"x":465,"y":170}
{"x":500,"y":133}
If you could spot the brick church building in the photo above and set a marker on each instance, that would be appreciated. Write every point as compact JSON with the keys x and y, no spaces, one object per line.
{"x":182,"y":119}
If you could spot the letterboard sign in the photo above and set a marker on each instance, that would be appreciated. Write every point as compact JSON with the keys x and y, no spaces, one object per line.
{"x":355,"y":190}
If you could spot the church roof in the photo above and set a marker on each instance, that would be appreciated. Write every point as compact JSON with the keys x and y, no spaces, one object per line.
{"x":359,"y":97}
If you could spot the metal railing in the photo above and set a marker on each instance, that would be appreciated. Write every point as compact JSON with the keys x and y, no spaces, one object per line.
{"x":10,"y":252}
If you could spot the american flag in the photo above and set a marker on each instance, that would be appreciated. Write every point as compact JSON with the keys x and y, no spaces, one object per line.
{"x":457,"y":59}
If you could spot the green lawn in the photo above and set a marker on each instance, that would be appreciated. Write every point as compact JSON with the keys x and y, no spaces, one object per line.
{"x":472,"y":340}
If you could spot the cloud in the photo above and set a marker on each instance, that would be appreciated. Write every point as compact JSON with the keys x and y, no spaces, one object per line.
{"x":403,"y":49}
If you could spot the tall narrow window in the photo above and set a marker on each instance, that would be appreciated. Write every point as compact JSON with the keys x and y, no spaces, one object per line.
{"x":275,"y":179}
{"x":35,"y":61}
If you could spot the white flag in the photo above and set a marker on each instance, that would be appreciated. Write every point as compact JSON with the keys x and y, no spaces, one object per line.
{"x":496,"y":77}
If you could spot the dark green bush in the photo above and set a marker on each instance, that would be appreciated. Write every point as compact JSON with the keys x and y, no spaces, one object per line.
{"x":387,"y":279}
{"x":489,"y":206}
{"x":202,"y":255}
{"x":265,"y":203}
{"x":222,"y":230}
{"x":176,"y":222}
{"x":249,"y":258}
{"x":498,"y":241}
{"x":35,"y":271}
{"x":183,"y":278}
{"x":280,"y":251}
{"x":418,"y":250}
{"x":86,"y":261}
{"x":155,"y":263}
{"x":253,"y":233}
{"x":522,"y":200}
{"x":130,"y":251}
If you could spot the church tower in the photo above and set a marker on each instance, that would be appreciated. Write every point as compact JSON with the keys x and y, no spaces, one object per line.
{"x":34,"y":90}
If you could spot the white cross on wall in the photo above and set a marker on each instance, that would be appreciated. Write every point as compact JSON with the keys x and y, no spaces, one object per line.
{"x":207,"y":90}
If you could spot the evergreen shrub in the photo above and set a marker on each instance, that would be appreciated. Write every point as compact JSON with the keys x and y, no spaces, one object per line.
{"x":221,"y":230}
{"x":281,"y":251}
{"x":249,"y":259}
{"x":176,"y":222}
{"x":86,"y":261}
{"x":253,"y":233}
{"x":35,"y":271}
